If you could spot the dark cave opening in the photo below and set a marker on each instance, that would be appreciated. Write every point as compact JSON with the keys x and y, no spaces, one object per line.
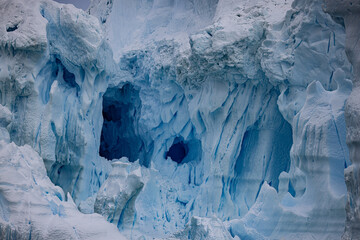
{"x":120,"y":132}
{"x":12,"y":28}
{"x":178,"y":151}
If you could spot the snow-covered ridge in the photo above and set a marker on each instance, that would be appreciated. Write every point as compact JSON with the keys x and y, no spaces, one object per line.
{"x":229,"y":116}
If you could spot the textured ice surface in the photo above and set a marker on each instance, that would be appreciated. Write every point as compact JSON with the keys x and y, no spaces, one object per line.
{"x":116,"y":197}
{"x":44,"y":104}
{"x":52,"y":75}
{"x":229,"y":116}
{"x":204,"y":228}
{"x":350,"y":11}
{"x":32,"y":207}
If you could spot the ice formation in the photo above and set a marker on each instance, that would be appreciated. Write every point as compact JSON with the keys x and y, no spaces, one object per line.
{"x":32,"y":207}
{"x":200,"y":119}
{"x":350,"y":12}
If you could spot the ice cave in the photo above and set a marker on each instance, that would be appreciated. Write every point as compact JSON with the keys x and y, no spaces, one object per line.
{"x":180,"y":119}
{"x":121,"y":111}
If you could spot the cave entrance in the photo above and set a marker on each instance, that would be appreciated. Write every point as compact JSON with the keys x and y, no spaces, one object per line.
{"x":178,"y":151}
{"x":120,"y":132}
{"x":182,"y":151}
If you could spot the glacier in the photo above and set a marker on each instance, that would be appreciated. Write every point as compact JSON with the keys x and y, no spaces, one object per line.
{"x":349,"y":11}
{"x":179,"y":119}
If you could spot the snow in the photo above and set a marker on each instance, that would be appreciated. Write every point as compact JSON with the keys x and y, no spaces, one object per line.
{"x":215,"y":119}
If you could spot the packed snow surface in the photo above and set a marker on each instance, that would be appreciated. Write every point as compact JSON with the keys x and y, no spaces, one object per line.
{"x":177,"y":119}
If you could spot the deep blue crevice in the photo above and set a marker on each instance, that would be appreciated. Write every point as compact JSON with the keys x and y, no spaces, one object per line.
{"x":67,"y":76}
{"x":291,"y":189}
{"x":46,"y":77}
{"x":55,"y":70}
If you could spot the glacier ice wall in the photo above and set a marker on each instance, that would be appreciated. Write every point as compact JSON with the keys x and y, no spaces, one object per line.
{"x":350,"y":11}
{"x":46,"y":114}
{"x":32,"y":207}
{"x":229,"y":115}
{"x":52,"y":83}
{"x":264,"y":90}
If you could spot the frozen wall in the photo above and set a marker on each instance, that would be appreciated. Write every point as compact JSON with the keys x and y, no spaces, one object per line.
{"x":264,"y":86}
{"x":350,"y":11}
{"x":210,"y":119}
{"x":48,"y":54}
{"x":52,"y":82}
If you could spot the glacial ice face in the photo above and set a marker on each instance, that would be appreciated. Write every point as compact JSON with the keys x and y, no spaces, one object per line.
{"x":52,"y":77}
{"x":264,"y":86}
{"x":230,"y":114}
{"x":32,"y":207}
{"x":350,"y":11}
{"x":204,"y":228}
{"x":134,"y":21}
{"x":45,"y":107}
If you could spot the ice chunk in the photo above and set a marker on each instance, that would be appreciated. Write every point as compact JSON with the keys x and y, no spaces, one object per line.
{"x":25,"y":188}
{"x":116,"y":197}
